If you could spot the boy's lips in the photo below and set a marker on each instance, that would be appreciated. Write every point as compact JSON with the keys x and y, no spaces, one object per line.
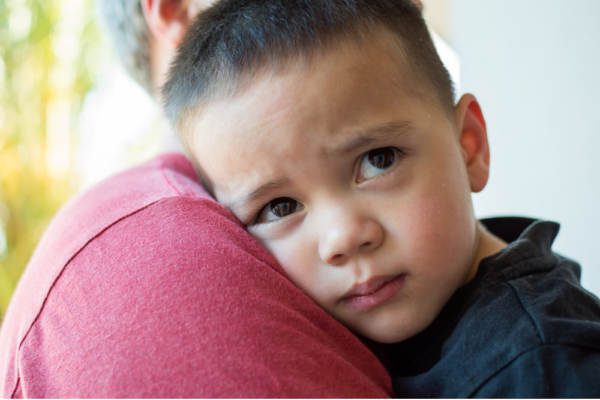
{"x":375,"y":291}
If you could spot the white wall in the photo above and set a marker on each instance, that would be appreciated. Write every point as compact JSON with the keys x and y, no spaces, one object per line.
{"x":534,"y":65}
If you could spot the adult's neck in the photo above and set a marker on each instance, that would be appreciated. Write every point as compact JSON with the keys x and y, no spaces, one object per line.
{"x":161,"y":56}
{"x":168,"y":140}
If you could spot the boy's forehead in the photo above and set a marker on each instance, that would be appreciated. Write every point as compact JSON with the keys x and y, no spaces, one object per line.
{"x":242,"y":141}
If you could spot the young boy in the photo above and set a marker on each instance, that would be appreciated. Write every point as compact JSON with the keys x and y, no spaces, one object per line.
{"x":329,"y":129}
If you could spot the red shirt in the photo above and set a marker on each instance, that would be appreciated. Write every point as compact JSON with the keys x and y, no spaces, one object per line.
{"x":144,"y":286}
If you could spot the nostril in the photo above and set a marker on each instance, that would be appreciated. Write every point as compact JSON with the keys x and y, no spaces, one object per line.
{"x":366,"y":245}
{"x":336,"y":259}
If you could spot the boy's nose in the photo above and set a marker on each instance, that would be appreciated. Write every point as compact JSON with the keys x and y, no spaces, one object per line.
{"x":347,"y":236}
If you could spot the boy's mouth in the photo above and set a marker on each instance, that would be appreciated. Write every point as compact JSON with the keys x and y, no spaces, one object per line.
{"x":375,"y":291}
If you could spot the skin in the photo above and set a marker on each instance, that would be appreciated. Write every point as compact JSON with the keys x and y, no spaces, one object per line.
{"x":302,"y":136}
{"x":168,"y":21}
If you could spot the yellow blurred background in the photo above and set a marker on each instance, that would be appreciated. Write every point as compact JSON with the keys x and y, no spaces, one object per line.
{"x":49,"y":58}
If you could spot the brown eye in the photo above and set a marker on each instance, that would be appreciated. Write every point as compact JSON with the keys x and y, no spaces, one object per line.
{"x":283,"y":207}
{"x":279,"y":208}
{"x":377,"y":161}
{"x":382,"y":158}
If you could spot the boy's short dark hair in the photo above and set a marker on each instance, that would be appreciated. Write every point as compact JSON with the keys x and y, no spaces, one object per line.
{"x":234,"y":39}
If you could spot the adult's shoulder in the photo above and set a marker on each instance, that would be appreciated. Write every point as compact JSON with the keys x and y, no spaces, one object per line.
{"x":121,"y":197}
{"x":89,"y":215}
{"x":144,"y":286}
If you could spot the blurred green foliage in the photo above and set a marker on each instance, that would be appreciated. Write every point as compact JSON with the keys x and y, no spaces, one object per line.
{"x":47,"y":60}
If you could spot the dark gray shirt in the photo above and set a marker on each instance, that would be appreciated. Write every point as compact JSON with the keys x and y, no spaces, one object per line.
{"x":523,"y":327}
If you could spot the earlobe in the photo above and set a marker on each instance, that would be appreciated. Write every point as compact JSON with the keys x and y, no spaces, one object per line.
{"x":473,"y":141}
{"x":167,"y":19}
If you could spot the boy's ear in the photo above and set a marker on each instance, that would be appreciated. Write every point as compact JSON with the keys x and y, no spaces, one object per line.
{"x":473,"y":140}
{"x":168,"y":20}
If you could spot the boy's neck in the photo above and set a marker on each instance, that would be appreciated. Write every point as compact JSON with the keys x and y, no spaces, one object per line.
{"x":486,"y":244}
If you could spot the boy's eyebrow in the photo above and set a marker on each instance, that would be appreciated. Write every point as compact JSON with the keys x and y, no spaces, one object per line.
{"x":374,"y":135}
{"x":257,"y":193}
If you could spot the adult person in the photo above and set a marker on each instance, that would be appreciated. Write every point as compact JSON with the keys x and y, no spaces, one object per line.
{"x":143,"y":286}
{"x":145,"y":35}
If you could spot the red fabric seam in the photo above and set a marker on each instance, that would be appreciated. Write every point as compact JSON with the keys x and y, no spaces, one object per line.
{"x":60,"y":274}
{"x":162,"y":171}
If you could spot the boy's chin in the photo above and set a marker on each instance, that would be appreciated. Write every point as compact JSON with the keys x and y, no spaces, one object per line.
{"x":396,"y":330}
{"x":387,"y":337}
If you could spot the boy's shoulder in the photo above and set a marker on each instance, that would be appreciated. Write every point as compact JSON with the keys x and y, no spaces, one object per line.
{"x":548,"y":289}
{"x":523,"y":327}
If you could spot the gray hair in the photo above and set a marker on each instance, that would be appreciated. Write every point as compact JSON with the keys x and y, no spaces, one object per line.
{"x":124,"y":21}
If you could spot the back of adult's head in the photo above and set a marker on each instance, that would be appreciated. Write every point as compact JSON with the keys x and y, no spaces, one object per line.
{"x":124,"y":21}
{"x":146,"y":33}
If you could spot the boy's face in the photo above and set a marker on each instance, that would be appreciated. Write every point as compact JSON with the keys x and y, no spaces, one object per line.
{"x":356,"y":186}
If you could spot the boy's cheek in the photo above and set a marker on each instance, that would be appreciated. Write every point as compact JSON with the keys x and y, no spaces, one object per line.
{"x":436,"y":227}
{"x":297,"y":258}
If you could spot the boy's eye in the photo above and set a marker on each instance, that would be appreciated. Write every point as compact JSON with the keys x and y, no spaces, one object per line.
{"x":279,"y":208}
{"x":377,"y":161}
